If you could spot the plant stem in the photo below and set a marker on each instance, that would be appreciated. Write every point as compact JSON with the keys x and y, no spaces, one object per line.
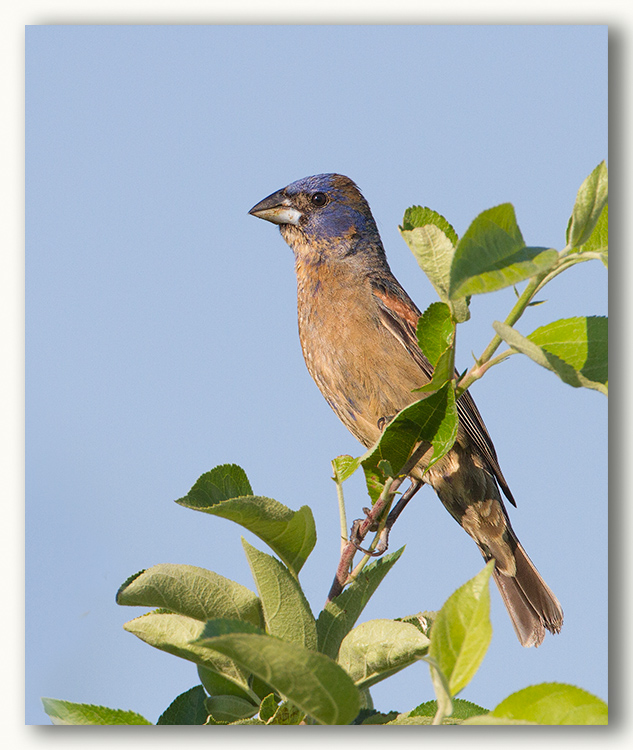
{"x":514,"y":314}
{"x":341,"y":508}
{"x":388,"y":494}
{"x":486,"y":361}
{"x":567,"y":258}
{"x":567,"y":262}
{"x":349,"y":548}
{"x":379,"y":509}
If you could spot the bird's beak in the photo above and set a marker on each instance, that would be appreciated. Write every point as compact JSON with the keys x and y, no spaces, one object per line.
{"x":278,"y":209}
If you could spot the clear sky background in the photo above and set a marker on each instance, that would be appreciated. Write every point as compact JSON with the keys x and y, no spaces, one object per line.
{"x":161,"y":320}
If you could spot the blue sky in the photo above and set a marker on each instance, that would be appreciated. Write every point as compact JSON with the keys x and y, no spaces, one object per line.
{"x":161,"y":322}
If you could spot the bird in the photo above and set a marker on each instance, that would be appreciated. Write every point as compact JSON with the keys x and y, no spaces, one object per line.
{"x":357,"y":328}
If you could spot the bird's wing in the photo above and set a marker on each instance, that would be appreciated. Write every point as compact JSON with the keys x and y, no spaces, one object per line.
{"x":400,"y":316}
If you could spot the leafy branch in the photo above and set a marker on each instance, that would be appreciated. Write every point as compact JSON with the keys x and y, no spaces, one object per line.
{"x":263,"y":657}
{"x":490,"y":256}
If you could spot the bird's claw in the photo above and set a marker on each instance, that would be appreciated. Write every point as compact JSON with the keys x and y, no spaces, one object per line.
{"x":383,"y":541}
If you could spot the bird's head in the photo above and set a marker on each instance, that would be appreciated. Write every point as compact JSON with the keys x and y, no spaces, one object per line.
{"x":325,"y":214}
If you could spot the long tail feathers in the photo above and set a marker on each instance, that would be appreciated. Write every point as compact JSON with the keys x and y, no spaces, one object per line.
{"x":531,"y":605}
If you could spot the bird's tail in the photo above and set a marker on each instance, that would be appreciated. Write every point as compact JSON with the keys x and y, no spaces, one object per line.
{"x":471,"y":495}
{"x":530,"y":602}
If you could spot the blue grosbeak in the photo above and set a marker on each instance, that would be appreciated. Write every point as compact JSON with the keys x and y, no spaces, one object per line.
{"x":357,"y":327}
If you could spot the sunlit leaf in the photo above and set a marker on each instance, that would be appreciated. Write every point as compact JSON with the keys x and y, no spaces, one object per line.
{"x":432,"y":420}
{"x":191,"y":591}
{"x":461,"y":632}
{"x":344,"y":466}
{"x":65,"y":712}
{"x":376,"y":649}
{"x":290,"y":534}
{"x":553,"y":703}
{"x":581,"y":342}
{"x":285,"y":714}
{"x":588,"y":343}
{"x":435,"y":331}
{"x":598,"y":241}
{"x":432,"y":241}
{"x":492,"y":255}
{"x":591,"y":199}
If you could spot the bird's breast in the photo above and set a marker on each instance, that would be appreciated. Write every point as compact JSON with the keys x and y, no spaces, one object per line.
{"x":362,"y":370}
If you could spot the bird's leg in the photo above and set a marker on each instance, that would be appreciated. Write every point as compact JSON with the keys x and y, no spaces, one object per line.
{"x":355,"y":535}
{"x":400,"y":505}
{"x":383,"y":540}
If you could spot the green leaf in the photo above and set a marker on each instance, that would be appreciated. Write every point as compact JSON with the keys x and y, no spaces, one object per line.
{"x":433,"y":420}
{"x":344,"y":466}
{"x":425,"y":713}
{"x":339,"y":616}
{"x":376,"y":649}
{"x":386,"y":469}
{"x":286,"y":609}
{"x":262,"y":689}
{"x":583,"y":341}
{"x":553,"y":703}
{"x":434,"y":252}
{"x":407,"y":720}
{"x":310,"y":680}
{"x":492,"y":255}
{"x":461,"y":631}
{"x":423,"y":621}
{"x":442,"y":374}
{"x":268,"y":707}
{"x":371,"y":716}
{"x":432,"y":241}
{"x":221,"y":483}
{"x":461,"y":710}
{"x":215,"y":684}
{"x":591,"y":199}
{"x":436,"y":331}
{"x":487,"y":719}
{"x":65,"y":712}
{"x":286,"y":714}
{"x":436,"y":338}
{"x":188,"y":708}
{"x":175,"y":635}
{"x":598,"y":241}
{"x":191,"y":591}
{"x":290,"y":534}
{"x":419,"y":216}
{"x":442,"y":690}
{"x":229,"y":708}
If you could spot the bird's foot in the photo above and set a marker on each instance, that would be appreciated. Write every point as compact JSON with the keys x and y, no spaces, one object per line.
{"x":383,"y":540}
{"x":384,"y":421}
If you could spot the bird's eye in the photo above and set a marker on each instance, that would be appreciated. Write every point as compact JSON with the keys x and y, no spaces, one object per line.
{"x":319,"y":199}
